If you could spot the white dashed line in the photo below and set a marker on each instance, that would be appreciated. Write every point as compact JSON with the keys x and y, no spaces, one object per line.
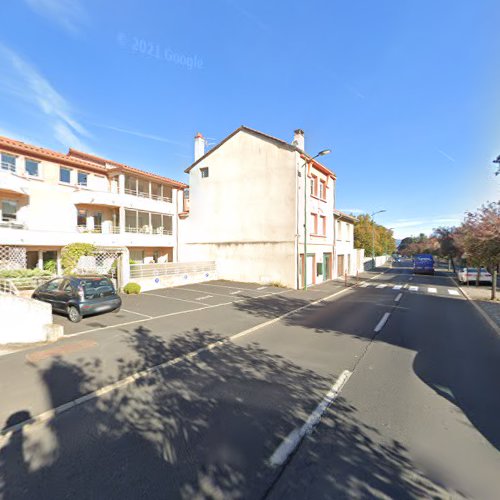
{"x":398,"y":297}
{"x":410,"y":279}
{"x":432,"y":290}
{"x":173,"y":298}
{"x":290,"y":443}
{"x":382,"y":322}
{"x":413,"y":288}
{"x":453,"y":292}
{"x":381,"y":286}
{"x":234,"y":293}
{"x":262,"y":288}
{"x":397,"y":287}
{"x":205,"y":297}
{"x":364,"y":285}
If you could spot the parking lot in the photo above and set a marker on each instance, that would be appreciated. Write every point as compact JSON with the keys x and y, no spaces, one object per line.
{"x":165,"y":302}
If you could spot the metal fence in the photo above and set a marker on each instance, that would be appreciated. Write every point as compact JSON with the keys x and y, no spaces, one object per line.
{"x":170,"y":269}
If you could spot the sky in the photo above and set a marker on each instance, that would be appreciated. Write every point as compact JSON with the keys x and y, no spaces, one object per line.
{"x":405,"y":93}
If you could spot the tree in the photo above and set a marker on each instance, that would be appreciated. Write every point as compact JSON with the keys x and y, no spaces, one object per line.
{"x":363,"y":236}
{"x":479,"y":235}
{"x":71,"y":254}
{"x":449,"y":247}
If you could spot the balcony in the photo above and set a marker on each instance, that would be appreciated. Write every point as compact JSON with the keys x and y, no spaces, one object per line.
{"x":11,"y":224}
{"x":141,"y":194}
{"x":12,"y":182}
{"x":89,"y":197}
{"x":148,"y":230}
{"x":97,"y":229}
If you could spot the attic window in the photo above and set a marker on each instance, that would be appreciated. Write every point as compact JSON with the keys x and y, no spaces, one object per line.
{"x":204,"y":172}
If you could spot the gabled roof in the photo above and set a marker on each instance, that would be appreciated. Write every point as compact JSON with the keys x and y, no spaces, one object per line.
{"x":111,"y":166}
{"x":19,"y":147}
{"x":261,"y":135}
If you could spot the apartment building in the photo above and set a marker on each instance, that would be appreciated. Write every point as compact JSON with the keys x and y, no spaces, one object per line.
{"x":262,"y":208}
{"x":347,"y":259}
{"x":49,"y":199}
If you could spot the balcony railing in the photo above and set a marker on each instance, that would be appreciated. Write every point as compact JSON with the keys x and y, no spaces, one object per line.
{"x":148,"y":230}
{"x":142,"y":194}
{"x":8,"y":166}
{"x":97,"y":229}
{"x":10,"y":224}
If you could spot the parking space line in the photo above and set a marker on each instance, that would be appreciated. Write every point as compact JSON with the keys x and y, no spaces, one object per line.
{"x":205,"y":297}
{"x":364,"y":285}
{"x":201,"y":291}
{"x":233,"y":293}
{"x":397,"y":287}
{"x":227,"y":286}
{"x":261,"y":288}
{"x":173,"y":298}
{"x":398,"y":297}
{"x":432,"y":290}
{"x":381,"y":286}
{"x":413,"y":288}
{"x":133,"y":312}
{"x":382,"y":322}
{"x":453,"y":292}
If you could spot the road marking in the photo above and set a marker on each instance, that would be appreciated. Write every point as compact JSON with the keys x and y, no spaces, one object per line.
{"x":7,"y":432}
{"x":290,"y":443}
{"x":397,"y":287}
{"x":432,"y":290}
{"x":398,"y":297}
{"x":382,"y":322}
{"x":133,"y":312}
{"x":262,"y":288}
{"x":453,"y":292}
{"x":364,"y":285}
{"x":201,"y":291}
{"x":234,"y":293}
{"x":380,"y":286}
{"x":413,"y":288}
{"x":410,"y":279}
{"x":173,"y":298}
{"x":205,"y":297}
{"x":227,"y":286}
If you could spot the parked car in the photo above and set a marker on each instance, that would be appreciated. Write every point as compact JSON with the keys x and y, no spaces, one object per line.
{"x":79,"y":296}
{"x":466,"y":274}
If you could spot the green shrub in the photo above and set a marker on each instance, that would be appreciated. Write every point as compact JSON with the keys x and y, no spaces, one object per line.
{"x":132,"y":288}
{"x":71,"y":254}
{"x":51,"y":266}
{"x":25,"y":273}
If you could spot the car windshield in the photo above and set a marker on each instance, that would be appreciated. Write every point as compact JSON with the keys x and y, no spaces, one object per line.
{"x":96,"y":286}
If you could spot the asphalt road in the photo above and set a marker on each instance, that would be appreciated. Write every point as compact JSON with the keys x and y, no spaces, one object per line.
{"x":196,"y":401}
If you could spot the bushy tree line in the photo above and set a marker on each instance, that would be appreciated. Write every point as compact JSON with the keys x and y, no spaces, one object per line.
{"x":363,"y":236}
{"x":476,"y":241}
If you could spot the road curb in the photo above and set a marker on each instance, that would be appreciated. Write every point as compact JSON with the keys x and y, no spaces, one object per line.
{"x":483,"y":313}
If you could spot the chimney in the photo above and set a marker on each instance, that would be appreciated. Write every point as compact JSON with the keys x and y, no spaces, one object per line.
{"x":298,"y":139}
{"x":199,"y":146}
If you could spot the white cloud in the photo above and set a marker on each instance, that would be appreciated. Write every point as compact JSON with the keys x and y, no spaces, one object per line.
{"x":70,"y":14}
{"x":143,"y":135}
{"x":25,"y":83}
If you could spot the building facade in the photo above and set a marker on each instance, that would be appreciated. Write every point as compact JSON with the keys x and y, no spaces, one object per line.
{"x":263,"y":209}
{"x":347,"y":259}
{"x":49,"y":199}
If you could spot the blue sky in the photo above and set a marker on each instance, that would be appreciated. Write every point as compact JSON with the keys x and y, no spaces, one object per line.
{"x":405,"y":92}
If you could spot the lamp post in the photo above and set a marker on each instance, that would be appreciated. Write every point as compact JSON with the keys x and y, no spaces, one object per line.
{"x":321,"y":153}
{"x":498,"y":162}
{"x":373,"y":234}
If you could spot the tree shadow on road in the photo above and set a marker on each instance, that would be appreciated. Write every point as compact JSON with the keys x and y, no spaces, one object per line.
{"x":203,"y":427}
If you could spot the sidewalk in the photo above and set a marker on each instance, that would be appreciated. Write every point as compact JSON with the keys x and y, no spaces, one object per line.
{"x":481,"y":296}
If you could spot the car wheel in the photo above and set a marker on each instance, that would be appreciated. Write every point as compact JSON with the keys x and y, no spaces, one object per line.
{"x":74,"y":314}
{"x":117,"y":310}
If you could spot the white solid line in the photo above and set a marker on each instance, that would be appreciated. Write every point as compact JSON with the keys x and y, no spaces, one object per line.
{"x":413,"y":288}
{"x":290,"y":443}
{"x":261,"y":288}
{"x":380,"y":286}
{"x":397,"y":287}
{"x":453,"y":292}
{"x":226,"y":286}
{"x":173,"y":298}
{"x":133,"y":312}
{"x":364,"y":285}
{"x":398,"y":297}
{"x":432,"y":290}
{"x":233,"y":293}
{"x":6,"y":433}
{"x":201,"y":291}
{"x":205,"y":297}
{"x":382,"y":322}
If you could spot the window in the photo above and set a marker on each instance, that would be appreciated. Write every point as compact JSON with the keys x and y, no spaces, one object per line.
{"x":8,"y":162}
{"x":131,"y":221}
{"x":9,"y":210}
{"x":314,"y":224}
{"x":156,"y":191}
{"x":64,"y":175}
{"x":81,"y":218}
{"x":314,"y":185}
{"x":319,"y":268}
{"x":323,"y":224}
{"x":82,"y":178}
{"x":204,"y":172}
{"x":130,"y":185}
{"x":143,"y":222}
{"x":97,"y":219}
{"x":53,"y":285}
{"x":339,"y":230}
{"x":322,"y":190}
{"x":31,"y":168}
{"x":143,"y":187}
{"x":137,"y":256}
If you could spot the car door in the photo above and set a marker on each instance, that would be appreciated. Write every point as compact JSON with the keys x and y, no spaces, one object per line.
{"x":63,"y":295}
{"x":48,"y":292}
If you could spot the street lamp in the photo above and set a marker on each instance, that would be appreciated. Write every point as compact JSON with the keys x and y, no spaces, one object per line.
{"x":498,"y":168}
{"x":373,"y":234}
{"x":321,"y":153}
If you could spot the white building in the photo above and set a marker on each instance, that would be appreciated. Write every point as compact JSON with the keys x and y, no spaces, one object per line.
{"x":258,"y":205}
{"x":348,"y":260}
{"x":49,"y":199}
